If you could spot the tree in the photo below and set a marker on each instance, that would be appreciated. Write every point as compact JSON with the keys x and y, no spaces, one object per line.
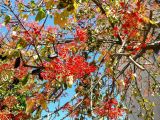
{"x":108,"y":50}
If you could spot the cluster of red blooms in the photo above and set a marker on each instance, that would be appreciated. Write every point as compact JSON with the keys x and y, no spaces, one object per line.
{"x":130,"y":21}
{"x":109,"y":108}
{"x":64,"y":51}
{"x":21,"y":71}
{"x":10,"y":116}
{"x":10,"y":102}
{"x":135,"y":48}
{"x":81,"y":34}
{"x":5,"y":67}
{"x":33,"y":32}
{"x":78,"y":66}
{"x":74,"y":66}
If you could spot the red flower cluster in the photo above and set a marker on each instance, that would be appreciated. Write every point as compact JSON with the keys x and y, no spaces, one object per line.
{"x":64,"y":50}
{"x":134,"y":48}
{"x":78,"y":67}
{"x":74,"y":66}
{"x":81,"y":34}
{"x":10,"y":101}
{"x":129,"y":26}
{"x":5,"y":67}
{"x":10,"y":116}
{"x":21,"y":71}
{"x":131,"y":21}
{"x":109,"y":108}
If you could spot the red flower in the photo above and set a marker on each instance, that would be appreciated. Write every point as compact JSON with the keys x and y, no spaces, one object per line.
{"x":115,"y":28}
{"x":122,"y":4}
{"x":75,"y":66}
{"x":6,"y":116}
{"x":110,"y":109}
{"x":81,"y":34}
{"x":21,"y":116}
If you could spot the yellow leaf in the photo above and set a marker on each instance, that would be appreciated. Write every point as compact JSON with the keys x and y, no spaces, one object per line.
{"x":133,"y":76}
{"x":153,"y":22}
{"x":75,"y":6}
{"x":147,"y":20}
{"x":74,"y":50}
{"x":49,"y":3}
{"x":25,"y":16}
{"x":120,"y":82}
{"x":61,"y":19}
{"x":43,"y":104}
{"x":29,"y":105}
{"x":104,"y":53}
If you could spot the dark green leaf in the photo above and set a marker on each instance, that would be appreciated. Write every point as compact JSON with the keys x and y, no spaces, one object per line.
{"x":7,"y":19}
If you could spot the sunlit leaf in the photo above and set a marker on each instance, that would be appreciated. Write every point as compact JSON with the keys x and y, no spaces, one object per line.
{"x":7,"y":2}
{"x":49,"y":3}
{"x":29,"y":105}
{"x":40,"y":15}
{"x":43,"y":103}
{"x":153,"y":22}
{"x":61,"y":19}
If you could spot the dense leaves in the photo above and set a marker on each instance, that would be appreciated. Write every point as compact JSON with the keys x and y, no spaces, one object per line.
{"x":106,"y":52}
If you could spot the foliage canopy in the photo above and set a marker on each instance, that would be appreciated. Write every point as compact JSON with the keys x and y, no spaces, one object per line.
{"x":107,"y":51}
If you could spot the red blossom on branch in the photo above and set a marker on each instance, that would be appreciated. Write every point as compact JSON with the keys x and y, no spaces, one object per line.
{"x":110,"y":109}
{"x":74,"y":66}
{"x":81,"y":34}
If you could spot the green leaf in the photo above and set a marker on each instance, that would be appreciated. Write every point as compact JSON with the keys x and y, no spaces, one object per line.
{"x":32,"y":3}
{"x":40,"y":15}
{"x":25,"y":79}
{"x":7,"y":19}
